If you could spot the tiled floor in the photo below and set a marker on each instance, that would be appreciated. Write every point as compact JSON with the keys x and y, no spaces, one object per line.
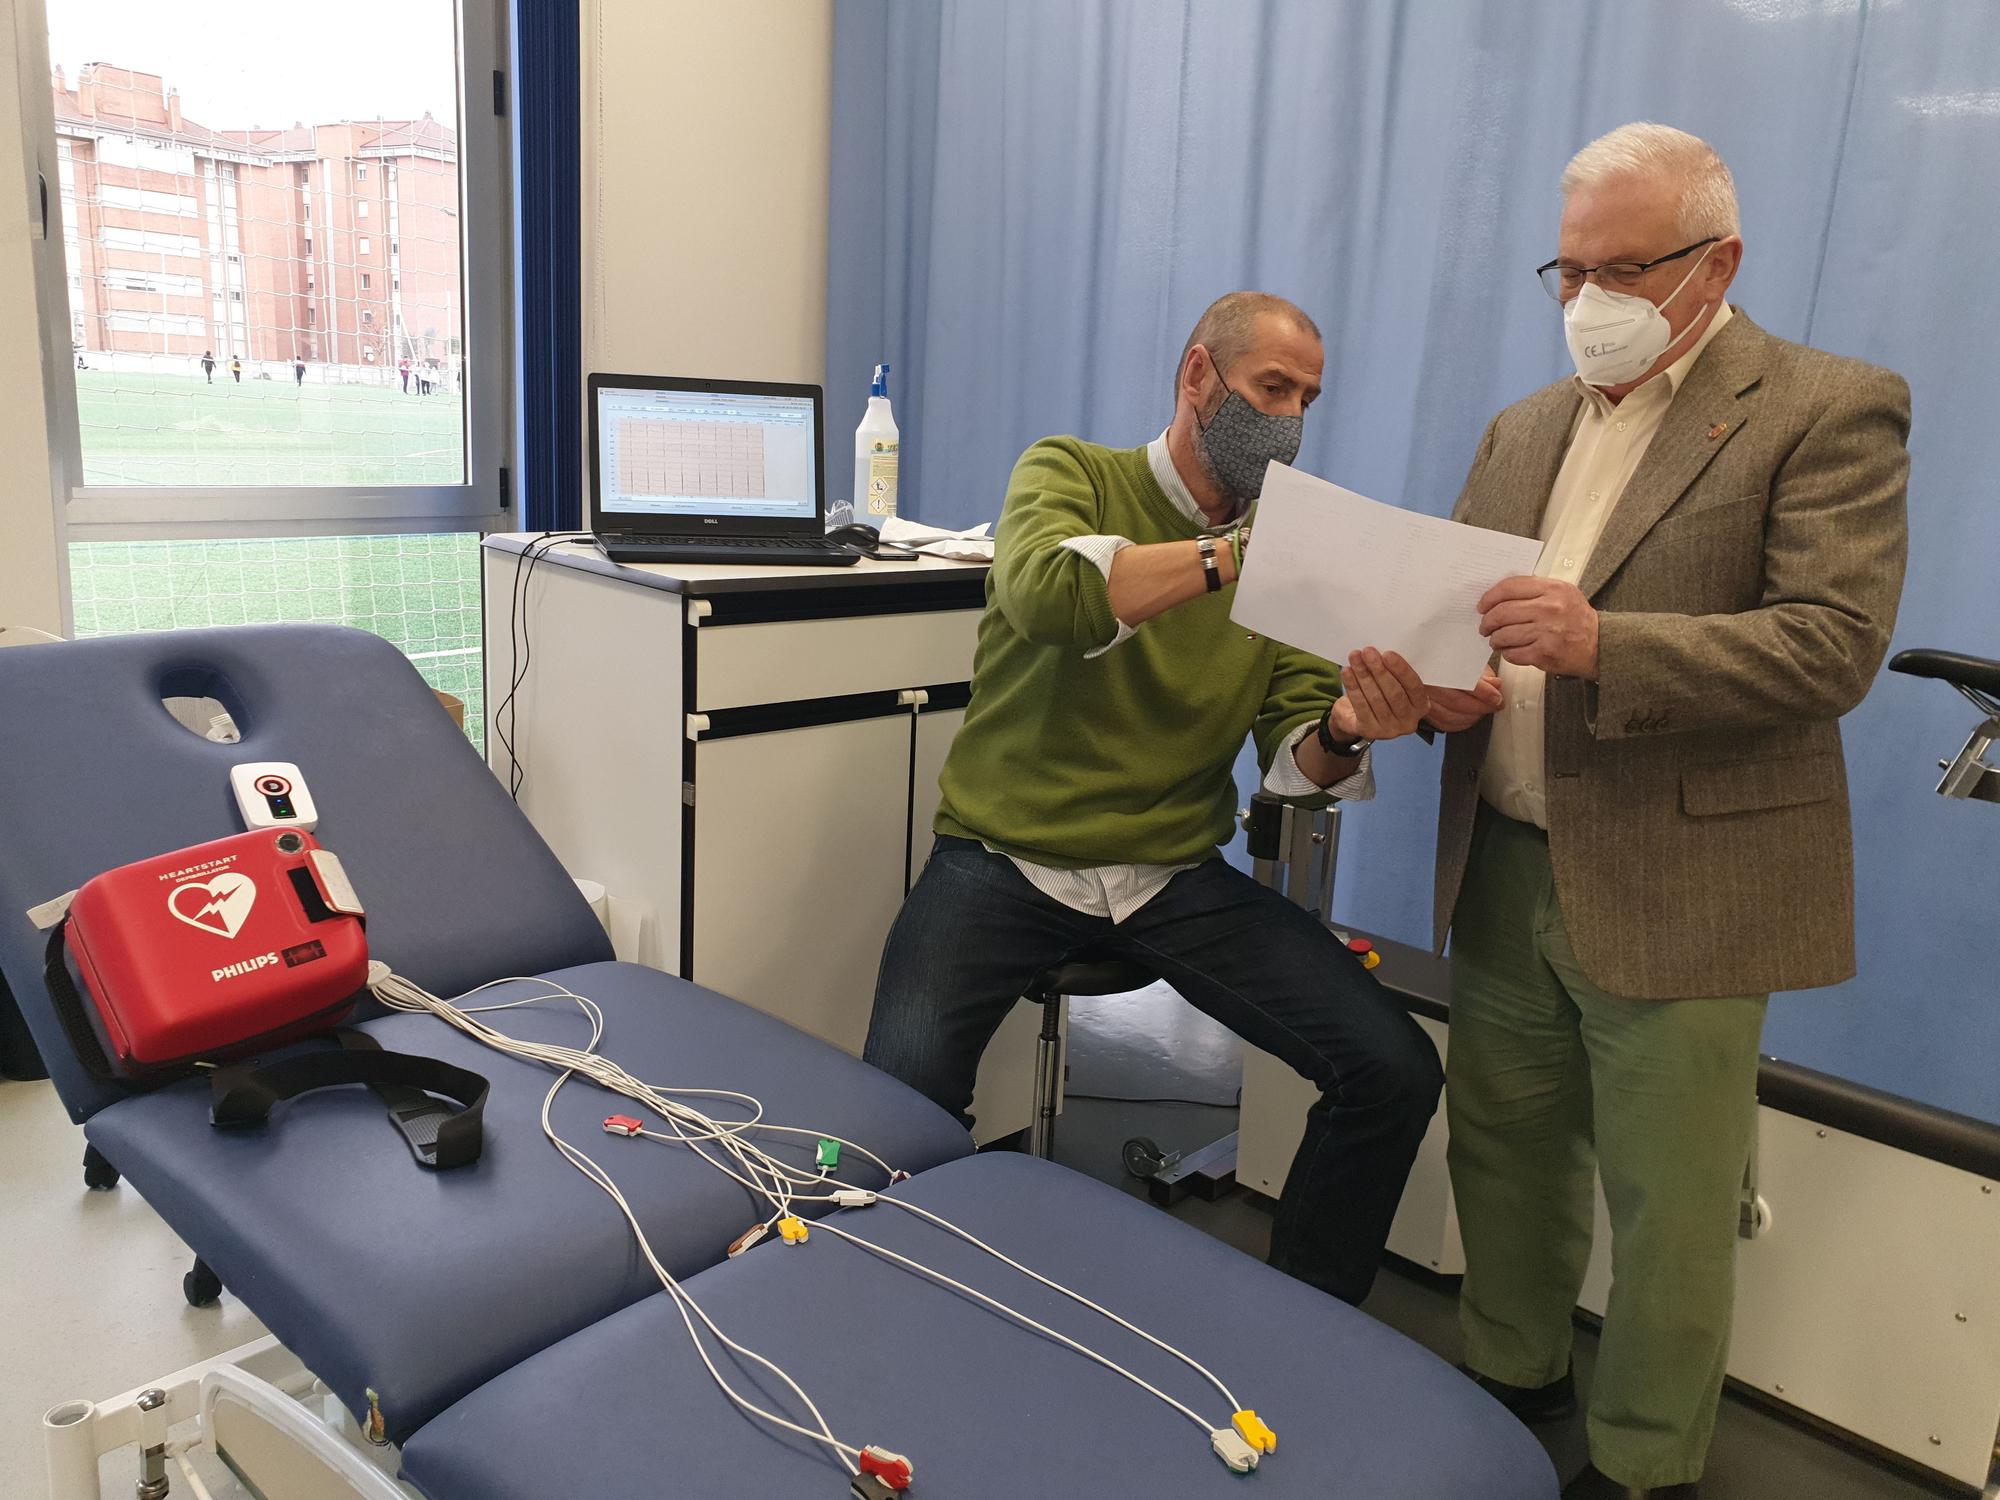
{"x":90,"y":1288}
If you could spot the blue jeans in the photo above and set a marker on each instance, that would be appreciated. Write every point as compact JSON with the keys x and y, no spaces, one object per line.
{"x":974,"y":932}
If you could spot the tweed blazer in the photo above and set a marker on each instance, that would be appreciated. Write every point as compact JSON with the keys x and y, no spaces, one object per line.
{"x":1747,"y":582}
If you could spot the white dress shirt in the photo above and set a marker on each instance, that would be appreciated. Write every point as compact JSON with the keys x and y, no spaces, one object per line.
{"x":1117,"y":891}
{"x":1604,"y":450}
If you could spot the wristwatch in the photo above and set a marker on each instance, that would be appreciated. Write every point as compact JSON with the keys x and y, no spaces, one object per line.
{"x":1334,"y":747}
{"x":1211,"y":575}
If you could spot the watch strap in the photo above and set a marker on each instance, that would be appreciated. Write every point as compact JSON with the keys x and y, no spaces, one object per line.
{"x":1343,"y":751}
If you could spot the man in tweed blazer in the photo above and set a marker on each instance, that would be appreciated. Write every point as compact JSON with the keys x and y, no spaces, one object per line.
{"x":1651,"y":833}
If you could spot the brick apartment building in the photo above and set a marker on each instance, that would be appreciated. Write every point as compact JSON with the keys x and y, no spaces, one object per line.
{"x":336,"y":243}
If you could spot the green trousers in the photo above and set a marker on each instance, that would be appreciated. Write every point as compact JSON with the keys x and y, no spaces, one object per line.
{"x":1547,"y":1074}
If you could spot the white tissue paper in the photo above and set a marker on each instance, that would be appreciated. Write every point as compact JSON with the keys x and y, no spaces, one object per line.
{"x":973,"y":545}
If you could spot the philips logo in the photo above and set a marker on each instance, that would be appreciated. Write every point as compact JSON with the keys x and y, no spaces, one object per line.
{"x":247,"y":966}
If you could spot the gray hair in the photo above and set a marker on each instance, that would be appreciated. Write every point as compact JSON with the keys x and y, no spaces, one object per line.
{"x":1230,"y":324}
{"x":1708,"y":193}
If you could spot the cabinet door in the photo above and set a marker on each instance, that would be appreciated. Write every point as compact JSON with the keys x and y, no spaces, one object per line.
{"x":801,"y":837}
{"x":936,"y":729}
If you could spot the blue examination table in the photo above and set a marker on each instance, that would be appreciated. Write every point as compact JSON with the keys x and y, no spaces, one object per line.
{"x":514,"y":1340}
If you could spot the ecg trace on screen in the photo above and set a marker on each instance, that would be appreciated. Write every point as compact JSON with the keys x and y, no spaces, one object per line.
{"x":714,"y":460}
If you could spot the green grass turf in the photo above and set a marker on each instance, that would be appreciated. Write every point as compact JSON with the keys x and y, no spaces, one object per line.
{"x":147,"y":429}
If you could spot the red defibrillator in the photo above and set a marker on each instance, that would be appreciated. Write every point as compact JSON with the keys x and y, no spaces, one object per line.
{"x":210,"y":953}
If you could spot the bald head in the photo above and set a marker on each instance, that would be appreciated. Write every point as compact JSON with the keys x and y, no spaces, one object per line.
{"x":1230,"y":327}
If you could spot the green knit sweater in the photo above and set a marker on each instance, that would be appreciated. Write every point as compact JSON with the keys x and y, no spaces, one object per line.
{"x":1124,"y":758}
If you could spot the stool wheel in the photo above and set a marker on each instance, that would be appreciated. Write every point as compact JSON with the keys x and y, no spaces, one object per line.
{"x":1144,"y":1158}
{"x":201,"y":1286}
{"x":98,"y":1173}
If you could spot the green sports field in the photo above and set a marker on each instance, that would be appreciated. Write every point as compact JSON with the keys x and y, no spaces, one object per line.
{"x":419,"y":592}
{"x":143,"y":428}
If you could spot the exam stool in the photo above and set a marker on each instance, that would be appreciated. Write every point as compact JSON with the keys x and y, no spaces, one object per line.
{"x":1086,"y":972}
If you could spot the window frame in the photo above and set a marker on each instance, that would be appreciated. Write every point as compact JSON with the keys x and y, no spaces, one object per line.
{"x":116,"y":513}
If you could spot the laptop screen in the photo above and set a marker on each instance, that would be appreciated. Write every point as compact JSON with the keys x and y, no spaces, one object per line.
{"x":668,"y":453}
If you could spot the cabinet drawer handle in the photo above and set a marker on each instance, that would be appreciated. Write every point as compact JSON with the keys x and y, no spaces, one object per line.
{"x":697,"y":726}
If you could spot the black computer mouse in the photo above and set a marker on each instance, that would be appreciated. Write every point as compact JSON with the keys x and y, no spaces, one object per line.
{"x":856,"y":534}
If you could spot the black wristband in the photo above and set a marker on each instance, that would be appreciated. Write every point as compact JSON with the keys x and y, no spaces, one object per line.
{"x":1211,"y":574}
{"x":1334,"y":747}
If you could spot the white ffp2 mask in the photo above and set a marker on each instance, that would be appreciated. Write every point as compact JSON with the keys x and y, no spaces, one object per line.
{"x":1614,"y":336}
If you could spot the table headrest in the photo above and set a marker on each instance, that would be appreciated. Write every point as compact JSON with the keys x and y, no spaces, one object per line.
{"x":95,"y":773}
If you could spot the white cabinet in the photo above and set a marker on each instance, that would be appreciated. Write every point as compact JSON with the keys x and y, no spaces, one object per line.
{"x":800,"y":844}
{"x":747,"y":759}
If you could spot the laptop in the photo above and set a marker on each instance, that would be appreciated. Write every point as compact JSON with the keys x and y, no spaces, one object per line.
{"x":709,"y":471}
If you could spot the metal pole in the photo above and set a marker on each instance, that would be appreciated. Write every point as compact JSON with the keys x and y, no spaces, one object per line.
{"x":69,"y":1450}
{"x":1048,"y":1048}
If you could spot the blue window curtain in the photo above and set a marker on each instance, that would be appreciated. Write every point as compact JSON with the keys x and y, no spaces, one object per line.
{"x":1031,"y":203}
{"x":547,"y":245}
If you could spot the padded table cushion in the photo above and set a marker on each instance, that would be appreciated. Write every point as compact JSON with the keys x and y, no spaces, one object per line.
{"x":420,"y":1284}
{"x":985,"y":1409}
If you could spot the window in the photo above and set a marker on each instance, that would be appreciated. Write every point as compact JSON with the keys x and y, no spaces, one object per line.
{"x":159,"y":282}
{"x":171,"y":497}
{"x":148,"y":241}
{"x":110,"y":195}
{"x":155,"y":326}
{"x":366,"y":281}
{"x":395,"y":249}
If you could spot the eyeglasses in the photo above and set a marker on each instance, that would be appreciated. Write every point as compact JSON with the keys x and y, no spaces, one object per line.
{"x":1563,"y":281}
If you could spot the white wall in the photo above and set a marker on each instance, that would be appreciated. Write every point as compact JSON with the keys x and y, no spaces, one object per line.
{"x":705,"y":141}
{"x":30,"y":559}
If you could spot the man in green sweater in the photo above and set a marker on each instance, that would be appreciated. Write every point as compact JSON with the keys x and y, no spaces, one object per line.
{"x":1085,"y":797}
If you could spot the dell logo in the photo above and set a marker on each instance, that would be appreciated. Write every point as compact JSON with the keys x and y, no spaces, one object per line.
{"x":711,"y":520}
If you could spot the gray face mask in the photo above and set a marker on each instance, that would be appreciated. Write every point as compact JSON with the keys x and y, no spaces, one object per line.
{"x":1239,"y":441}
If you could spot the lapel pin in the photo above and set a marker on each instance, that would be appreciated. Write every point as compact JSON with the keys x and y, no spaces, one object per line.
{"x":1717,"y":430}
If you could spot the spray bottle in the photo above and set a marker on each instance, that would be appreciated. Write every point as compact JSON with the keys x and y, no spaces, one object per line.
{"x":876,"y":449}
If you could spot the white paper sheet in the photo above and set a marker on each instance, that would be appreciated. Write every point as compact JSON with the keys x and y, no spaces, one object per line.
{"x":1330,"y":571}
{"x":971,"y":545}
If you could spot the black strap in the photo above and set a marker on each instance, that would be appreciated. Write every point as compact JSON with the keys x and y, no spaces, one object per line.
{"x":421,"y":1118}
{"x":438,"y":1137}
{"x":69,"y":1005}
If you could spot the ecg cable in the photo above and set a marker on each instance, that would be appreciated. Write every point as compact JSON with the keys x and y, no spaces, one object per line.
{"x":728,"y":1147}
